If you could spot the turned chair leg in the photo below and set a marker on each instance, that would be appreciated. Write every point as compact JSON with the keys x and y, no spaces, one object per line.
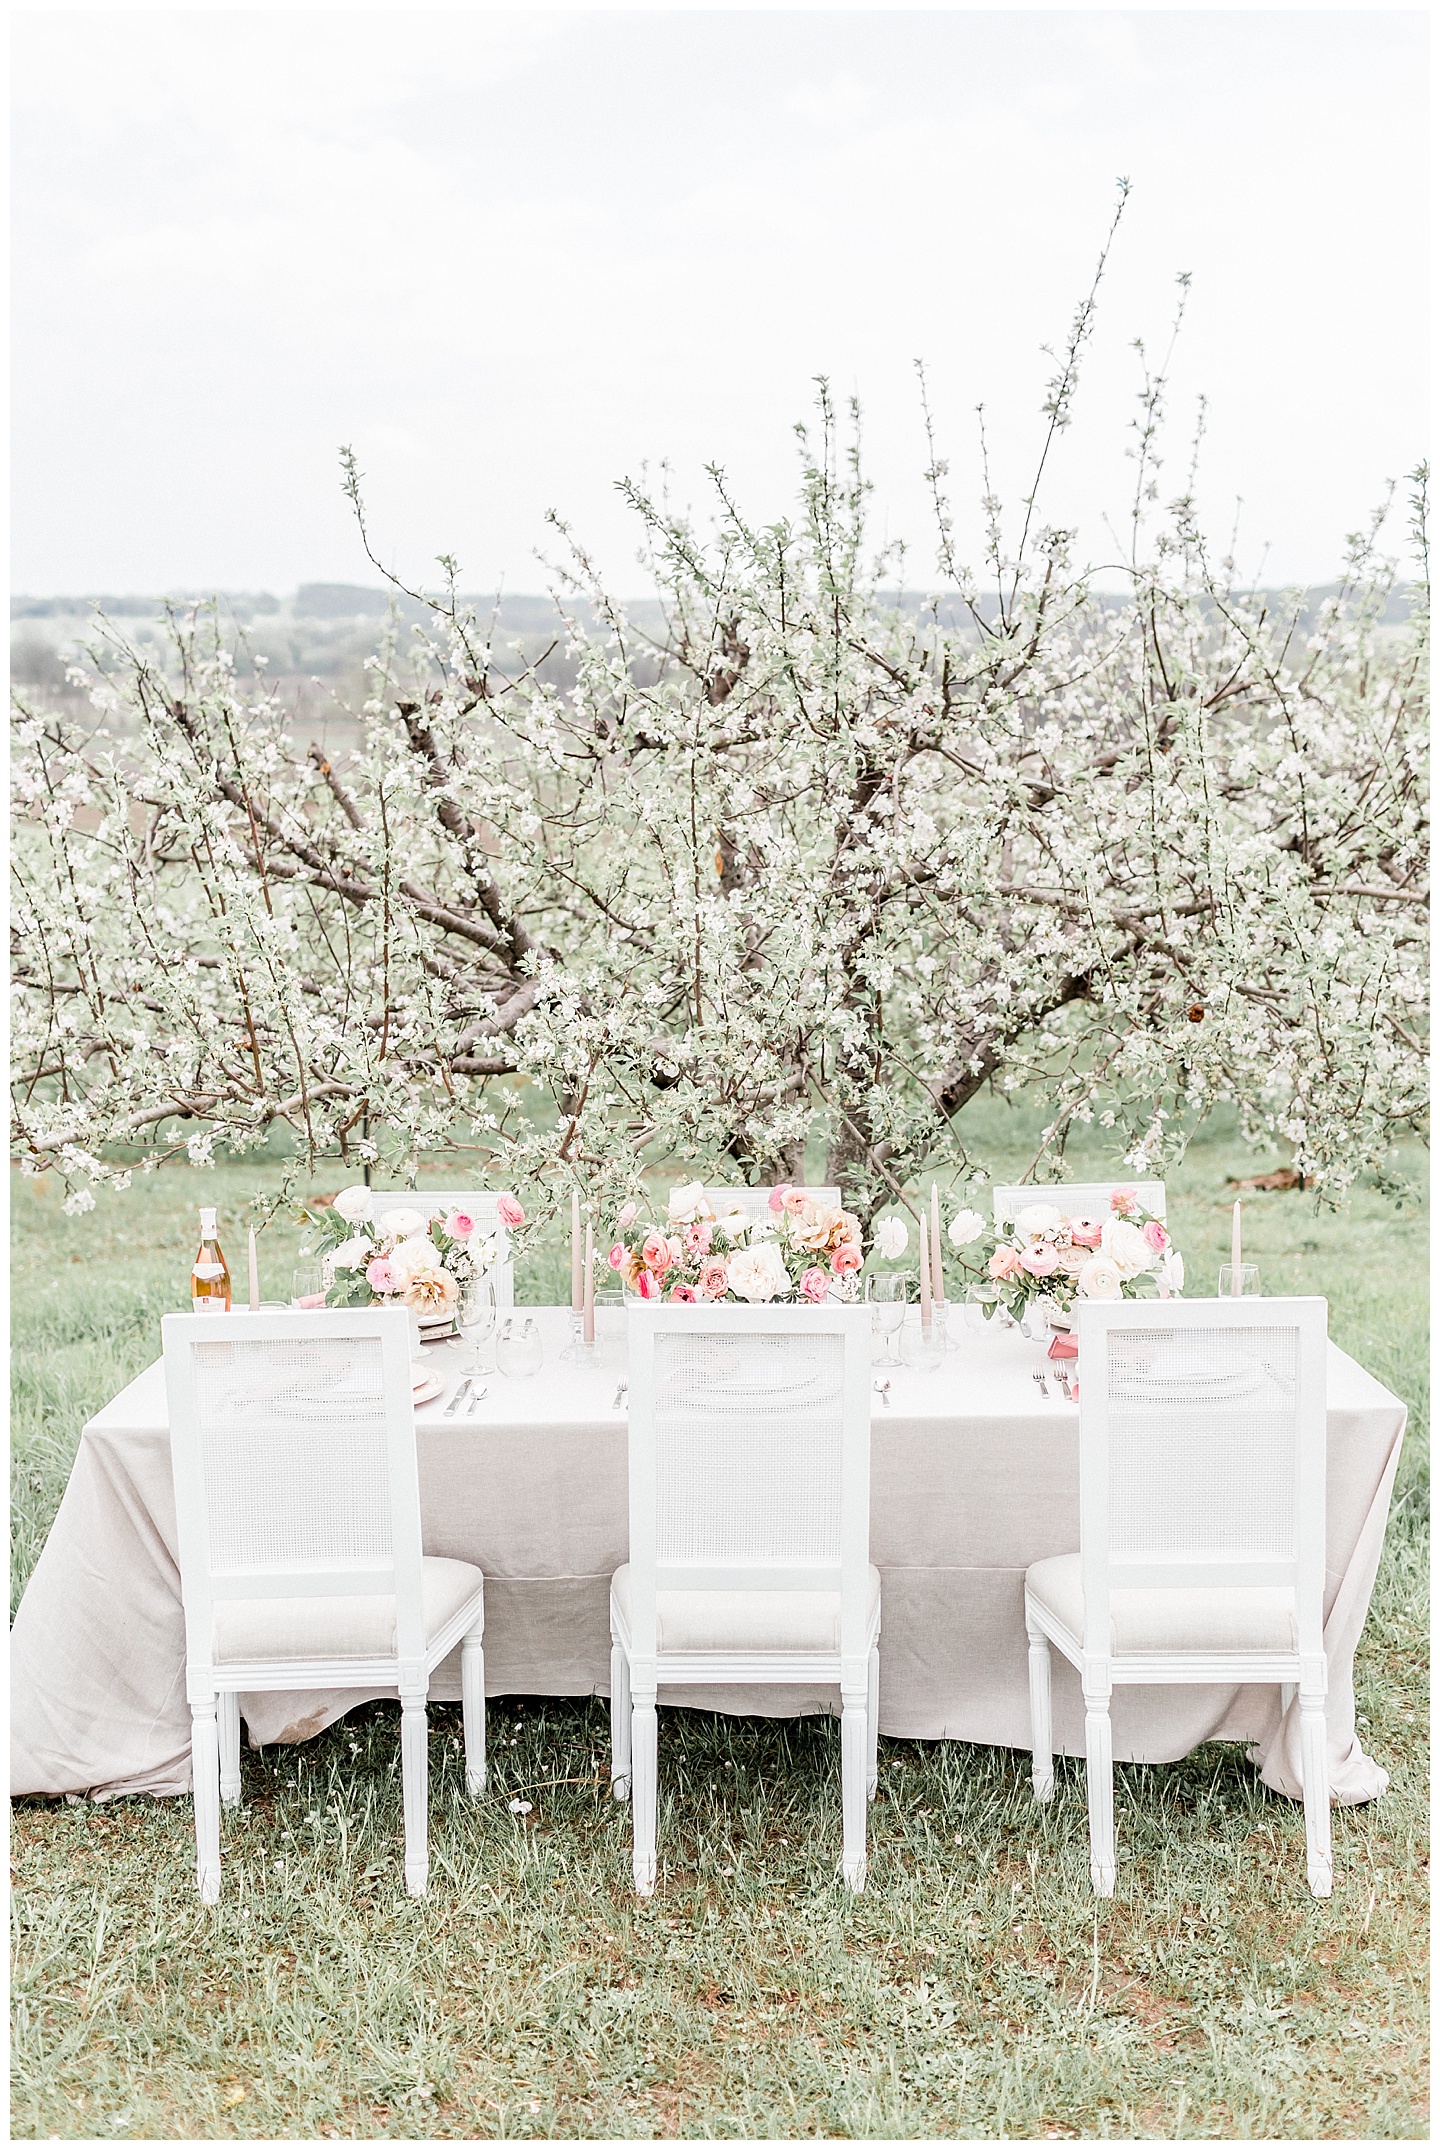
{"x":872,"y":1727}
{"x":1042,"y":1745}
{"x":644,"y":1789}
{"x":1100,"y":1793}
{"x":205,"y":1775}
{"x":619,"y":1723}
{"x":472,"y":1710}
{"x":415,"y":1779}
{"x":229,"y":1734}
{"x":1315,"y":1778}
{"x":854,"y":1769}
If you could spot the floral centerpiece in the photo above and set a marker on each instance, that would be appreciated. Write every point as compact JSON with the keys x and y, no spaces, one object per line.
{"x":424,"y":1263}
{"x":796,"y":1248}
{"x":1047,"y":1252}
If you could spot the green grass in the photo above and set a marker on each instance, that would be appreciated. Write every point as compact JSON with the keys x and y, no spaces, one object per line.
{"x":976,"y":1989}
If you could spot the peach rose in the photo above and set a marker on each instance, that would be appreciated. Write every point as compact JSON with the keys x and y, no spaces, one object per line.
{"x":815,"y":1284}
{"x":431,"y":1291}
{"x":655,"y":1253}
{"x":1003,"y":1263}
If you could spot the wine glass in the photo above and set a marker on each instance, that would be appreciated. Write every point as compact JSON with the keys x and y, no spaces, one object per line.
{"x":886,"y":1294}
{"x":519,"y":1349}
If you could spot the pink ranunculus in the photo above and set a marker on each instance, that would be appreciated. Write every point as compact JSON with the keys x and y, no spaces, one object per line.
{"x":381,"y":1277}
{"x":777,"y":1196}
{"x":508,"y":1210}
{"x":846,"y":1259}
{"x":1003,"y":1263}
{"x":655,"y":1253}
{"x":1123,"y":1200}
{"x":1156,"y":1236}
{"x":627,"y":1215}
{"x":683,"y":1293}
{"x":1042,"y":1260}
{"x":648,"y":1286}
{"x":697,"y":1239}
{"x":459,"y":1224}
{"x":815,"y":1284}
{"x":617,"y":1256}
{"x":713,"y":1281}
{"x":1087,"y":1231}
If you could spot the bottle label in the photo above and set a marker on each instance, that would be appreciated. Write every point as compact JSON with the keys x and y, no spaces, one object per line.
{"x":205,"y":1271}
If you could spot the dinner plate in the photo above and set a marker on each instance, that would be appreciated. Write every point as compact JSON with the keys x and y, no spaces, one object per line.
{"x":427,"y":1387}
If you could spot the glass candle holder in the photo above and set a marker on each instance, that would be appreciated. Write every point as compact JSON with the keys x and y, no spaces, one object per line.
{"x":1249,"y":1274}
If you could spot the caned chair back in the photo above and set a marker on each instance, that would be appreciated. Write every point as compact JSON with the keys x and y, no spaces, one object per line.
{"x":755,"y":1201}
{"x":1076,"y":1199}
{"x":749,"y":1455}
{"x":481,"y":1205}
{"x":292,"y":1443}
{"x":1202,"y":1450}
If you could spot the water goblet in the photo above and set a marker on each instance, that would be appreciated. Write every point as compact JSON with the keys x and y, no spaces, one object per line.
{"x":887,"y":1294}
{"x":477,"y":1325}
{"x":519,"y":1349}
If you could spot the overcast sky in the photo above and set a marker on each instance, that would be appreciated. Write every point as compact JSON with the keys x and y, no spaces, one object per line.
{"x":514,"y":257}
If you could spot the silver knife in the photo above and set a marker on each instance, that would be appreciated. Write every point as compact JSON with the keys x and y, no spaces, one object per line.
{"x":454,"y":1404}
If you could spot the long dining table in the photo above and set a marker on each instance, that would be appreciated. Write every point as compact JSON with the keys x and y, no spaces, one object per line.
{"x":974,"y":1475}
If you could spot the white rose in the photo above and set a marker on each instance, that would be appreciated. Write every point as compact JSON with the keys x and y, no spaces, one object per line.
{"x":355,"y":1204}
{"x":1099,"y":1279}
{"x":1039,"y":1218}
{"x":405,"y":1223}
{"x":966,"y":1227}
{"x":1127,"y":1248}
{"x":354,"y":1254}
{"x":688,"y":1203}
{"x":758,"y":1273}
{"x":892,"y":1237}
{"x":733,"y":1221}
{"x":412,"y":1255}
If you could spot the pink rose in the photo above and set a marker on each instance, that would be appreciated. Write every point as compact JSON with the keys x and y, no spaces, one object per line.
{"x":655,"y":1253}
{"x":1003,"y":1263}
{"x":381,"y":1277}
{"x":697,"y":1239}
{"x":713,"y":1282}
{"x":648,"y":1286}
{"x":1156,"y":1236}
{"x":459,"y":1224}
{"x":617,"y":1256}
{"x":508,"y":1210}
{"x":675,"y":1248}
{"x":682,"y":1292}
{"x":846,"y":1259}
{"x":1087,"y":1231}
{"x":627,"y":1215}
{"x":777,"y":1196}
{"x":1041,"y":1261}
{"x":1123,"y":1200}
{"x":815,"y":1284}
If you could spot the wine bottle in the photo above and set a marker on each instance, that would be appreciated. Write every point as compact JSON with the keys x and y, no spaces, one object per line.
{"x":209,"y":1278}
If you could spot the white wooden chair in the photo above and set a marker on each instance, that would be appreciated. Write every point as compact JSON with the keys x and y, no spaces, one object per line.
{"x":1202,"y":1530}
{"x":1074,"y":1198}
{"x":755,"y":1201}
{"x":481,"y":1205}
{"x":749,"y":1532}
{"x":292,"y":1440}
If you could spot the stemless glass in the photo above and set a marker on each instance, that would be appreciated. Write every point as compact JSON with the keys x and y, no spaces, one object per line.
{"x":980,"y":1307}
{"x":519,"y":1350}
{"x":307,"y":1287}
{"x":886,"y":1294}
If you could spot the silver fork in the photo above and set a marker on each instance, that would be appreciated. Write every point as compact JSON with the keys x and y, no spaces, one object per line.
{"x":1057,"y":1375}
{"x":1039,"y":1380}
{"x":620,"y":1394}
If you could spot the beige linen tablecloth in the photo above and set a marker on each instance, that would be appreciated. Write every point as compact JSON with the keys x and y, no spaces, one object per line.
{"x":974,"y":1475}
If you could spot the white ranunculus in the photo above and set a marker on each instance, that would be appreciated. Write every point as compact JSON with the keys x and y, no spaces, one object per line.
{"x":413,"y":1254}
{"x":1127,"y":1247}
{"x":1099,"y":1279}
{"x":965,"y":1227}
{"x":354,"y":1254}
{"x":892,"y":1237}
{"x":758,"y":1273}
{"x":405,"y":1223}
{"x":355,"y":1204}
{"x":1039,"y":1218}
{"x":687,"y":1204}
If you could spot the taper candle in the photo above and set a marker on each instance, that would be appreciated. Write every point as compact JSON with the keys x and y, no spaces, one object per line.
{"x":589,"y":1282}
{"x":576,"y":1285}
{"x":1235,"y":1252}
{"x":254,"y":1275}
{"x":925,"y":1312}
{"x":937,"y":1266}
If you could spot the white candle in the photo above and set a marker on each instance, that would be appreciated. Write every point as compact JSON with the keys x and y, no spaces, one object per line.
{"x":937,"y":1266}
{"x":576,"y":1286}
{"x":1235,"y":1252}
{"x":589,"y":1282}
{"x":925,"y":1315}
{"x":254,"y":1274}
